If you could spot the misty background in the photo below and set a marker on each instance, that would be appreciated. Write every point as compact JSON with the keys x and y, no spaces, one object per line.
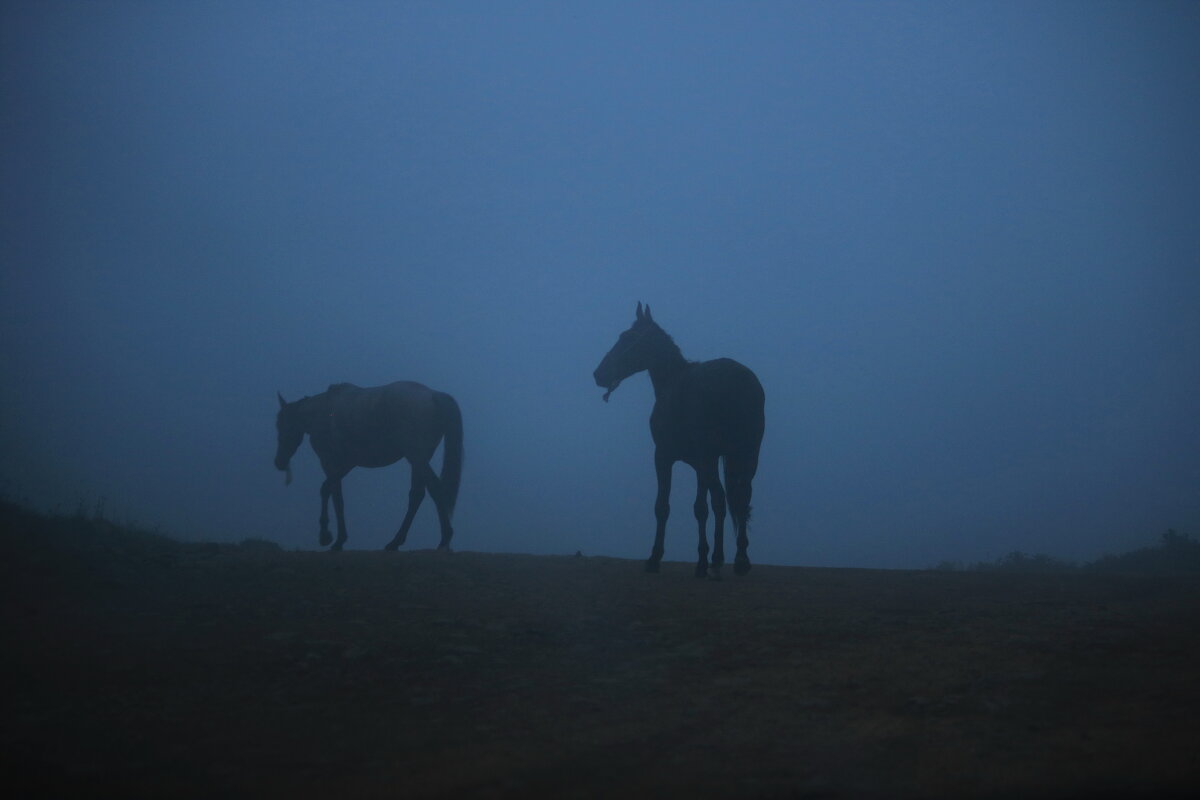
{"x":957,"y":242}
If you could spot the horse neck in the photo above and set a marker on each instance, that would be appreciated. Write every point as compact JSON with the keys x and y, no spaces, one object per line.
{"x":667,"y":365}
{"x":314,"y":413}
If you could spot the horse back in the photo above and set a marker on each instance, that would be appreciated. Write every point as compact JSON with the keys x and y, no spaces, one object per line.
{"x":716,"y":408}
{"x":379,"y":425}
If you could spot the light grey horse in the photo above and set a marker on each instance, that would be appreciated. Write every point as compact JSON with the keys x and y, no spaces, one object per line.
{"x":350,"y":427}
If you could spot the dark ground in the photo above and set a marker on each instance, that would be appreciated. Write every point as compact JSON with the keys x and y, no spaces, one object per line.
{"x":145,"y":667}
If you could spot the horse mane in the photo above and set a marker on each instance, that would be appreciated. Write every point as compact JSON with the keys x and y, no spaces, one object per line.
{"x":337,"y":387}
{"x":668,"y":343}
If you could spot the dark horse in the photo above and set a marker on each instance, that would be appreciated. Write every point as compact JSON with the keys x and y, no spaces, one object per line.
{"x":703,"y":411}
{"x":354,"y":427}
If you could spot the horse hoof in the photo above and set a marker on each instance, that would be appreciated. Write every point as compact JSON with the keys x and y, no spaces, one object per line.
{"x":741,"y":566}
{"x":701,"y":571}
{"x":325,"y":538}
{"x":651,"y":566}
{"x":391,"y":547}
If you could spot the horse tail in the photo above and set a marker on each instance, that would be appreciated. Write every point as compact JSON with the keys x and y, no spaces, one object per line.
{"x":739,"y":472}
{"x":449,"y":417}
{"x":725,"y":469}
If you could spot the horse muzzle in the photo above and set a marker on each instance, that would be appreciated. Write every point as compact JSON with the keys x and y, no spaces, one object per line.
{"x":605,"y":382}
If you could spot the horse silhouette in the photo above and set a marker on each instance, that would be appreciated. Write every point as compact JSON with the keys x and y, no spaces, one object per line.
{"x":350,"y":427}
{"x":703,"y":412}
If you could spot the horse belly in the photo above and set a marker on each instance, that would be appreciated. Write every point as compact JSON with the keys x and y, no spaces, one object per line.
{"x":374,"y":462}
{"x":706,"y":429}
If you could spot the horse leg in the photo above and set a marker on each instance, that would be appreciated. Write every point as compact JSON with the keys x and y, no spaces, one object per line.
{"x":706,"y":473}
{"x":339,"y":508}
{"x":737,"y":478}
{"x":416,"y":494}
{"x":325,"y":537}
{"x":662,"y":510}
{"x":717,"y":493}
{"x":437,"y":492}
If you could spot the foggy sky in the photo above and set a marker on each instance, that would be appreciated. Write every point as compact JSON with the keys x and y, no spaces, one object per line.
{"x":957,"y":242}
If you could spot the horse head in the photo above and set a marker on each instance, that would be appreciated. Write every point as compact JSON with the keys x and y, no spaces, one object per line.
{"x":636,"y":349}
{"x":290,"y":430}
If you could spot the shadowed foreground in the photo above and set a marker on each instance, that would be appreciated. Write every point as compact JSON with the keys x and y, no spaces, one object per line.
{"x":138,"y":665}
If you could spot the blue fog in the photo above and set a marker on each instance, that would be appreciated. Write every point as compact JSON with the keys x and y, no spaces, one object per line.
{"x":957,"y":242}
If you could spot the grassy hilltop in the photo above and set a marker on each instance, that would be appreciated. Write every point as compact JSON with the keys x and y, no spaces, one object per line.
{"x":142,"y":665}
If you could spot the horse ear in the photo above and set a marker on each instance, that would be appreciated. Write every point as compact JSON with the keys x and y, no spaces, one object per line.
{"x":282,"y":402}
{"x":647,"y":314}
{"x":639,"y":310}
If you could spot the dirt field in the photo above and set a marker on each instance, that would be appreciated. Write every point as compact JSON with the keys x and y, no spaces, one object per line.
{"x":148,"y":668}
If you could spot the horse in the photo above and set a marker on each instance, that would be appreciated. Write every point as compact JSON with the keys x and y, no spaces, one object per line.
{"x":350,"y":426}
{"x":703,"y":412}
